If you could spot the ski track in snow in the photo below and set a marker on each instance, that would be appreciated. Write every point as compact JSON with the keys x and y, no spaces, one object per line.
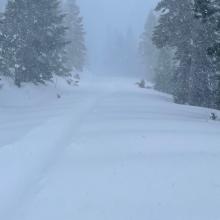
{"x":109,"y":150}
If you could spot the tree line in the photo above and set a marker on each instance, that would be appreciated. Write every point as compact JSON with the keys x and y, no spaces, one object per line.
{"x":184,"y":40}
{"x":41,"y":39}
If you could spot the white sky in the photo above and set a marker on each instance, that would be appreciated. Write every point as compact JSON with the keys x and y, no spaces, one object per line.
{"x":103,"y":16}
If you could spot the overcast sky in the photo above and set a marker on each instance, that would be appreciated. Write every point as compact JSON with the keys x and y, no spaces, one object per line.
{"x":116,"y":13}
{"x":103,"y":17}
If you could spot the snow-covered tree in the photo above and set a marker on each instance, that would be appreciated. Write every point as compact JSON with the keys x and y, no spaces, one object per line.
{"x":76,"y":50}
{"x":174,"y":30}
{"x":163,"y":78}
{"x":34,"y":40}
{"x":209,"y":11}
{"x":205,"y":8}
{"x":202,"y":68}
{"x":179,"y":30}
{"x":209,"y":14}
{"x":2,"y":40}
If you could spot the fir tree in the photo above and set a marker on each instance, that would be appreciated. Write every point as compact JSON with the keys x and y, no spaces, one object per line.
{"x":76,"y":50}
{"x":204,"y":8}
{"x":179,"y":30}
{"x":209,"y":11}
{"x":164,"y":71}
{"x":209,"y":14}
{"x":2,"y":40}
{"x":34,"y":45}
{"x":174,"y":30}
{"x":202,"y":68}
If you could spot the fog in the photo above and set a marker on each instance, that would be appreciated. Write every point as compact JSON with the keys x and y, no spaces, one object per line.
{"x":112,"y":30}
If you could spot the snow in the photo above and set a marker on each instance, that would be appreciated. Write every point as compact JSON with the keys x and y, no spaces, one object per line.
{"x":105,"y":150}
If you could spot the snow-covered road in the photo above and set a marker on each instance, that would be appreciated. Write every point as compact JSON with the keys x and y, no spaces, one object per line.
{"x":109,"y":151}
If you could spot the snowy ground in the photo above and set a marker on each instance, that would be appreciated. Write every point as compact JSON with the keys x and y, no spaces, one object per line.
{"x":106,"y":151}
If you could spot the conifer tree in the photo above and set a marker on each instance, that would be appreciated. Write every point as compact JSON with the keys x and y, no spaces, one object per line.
{"x":179,"y":30}
{"x":2,"y":52}
{"x":202,"y":68}
{"x":163,"y":78}
{"x":174,"y":30}
{"x":76,"y":50}
{"x":209,"y":14}
{"x":35,"y":40}
{"x":204,"y":8}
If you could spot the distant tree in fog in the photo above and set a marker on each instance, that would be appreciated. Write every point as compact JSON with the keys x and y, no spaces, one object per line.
{"x":76,"y":49}
{"x":147,"y":50}
{"x":121,"y":52}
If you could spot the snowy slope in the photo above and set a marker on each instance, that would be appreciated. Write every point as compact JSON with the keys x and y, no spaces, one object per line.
{"x":106,"y":150}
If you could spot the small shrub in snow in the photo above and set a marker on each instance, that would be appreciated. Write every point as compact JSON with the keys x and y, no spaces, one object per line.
{"x":141,"y":84}
{"x":213,"y":116}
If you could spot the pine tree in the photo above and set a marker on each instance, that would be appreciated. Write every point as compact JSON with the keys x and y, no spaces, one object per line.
{"x":209,"y":14}
{"x":164,"y":71}
{"x":179,"y":30}
{"x":2,"y":40}
{"x":76,"y":50}
{"x":202,"y":68}
{"x":174,"y":30}
{"x":204,"y":8}
{"x":34,"y":45}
